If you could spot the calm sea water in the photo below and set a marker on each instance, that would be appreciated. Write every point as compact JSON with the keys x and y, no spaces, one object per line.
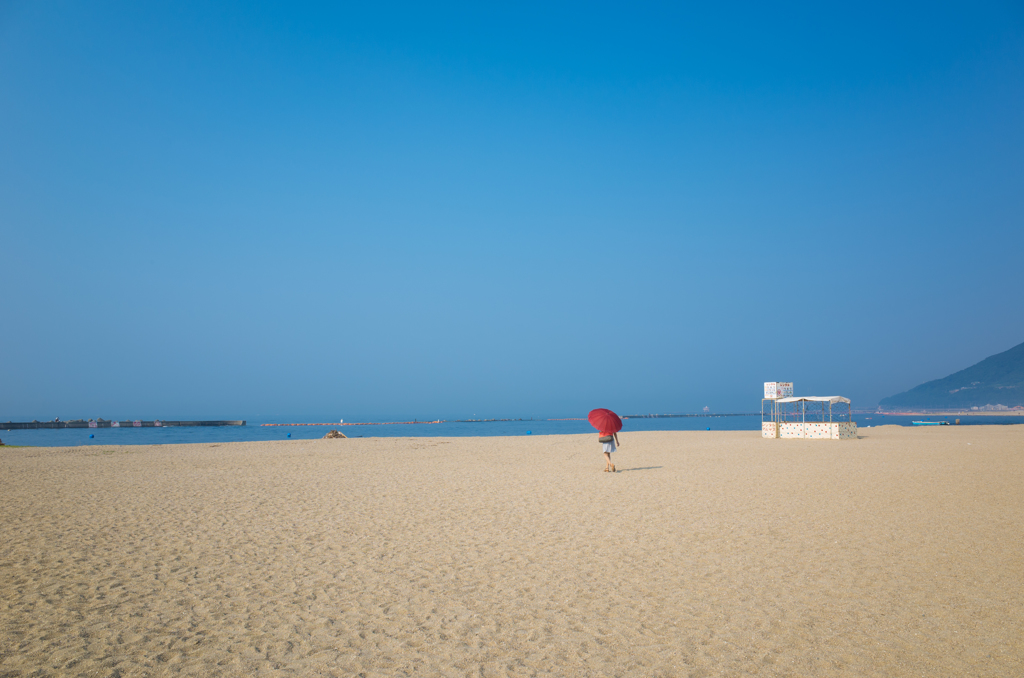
{"x":253,"y":430}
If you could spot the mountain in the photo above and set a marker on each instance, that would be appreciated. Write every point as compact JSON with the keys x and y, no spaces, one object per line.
{"x":996,"y":380}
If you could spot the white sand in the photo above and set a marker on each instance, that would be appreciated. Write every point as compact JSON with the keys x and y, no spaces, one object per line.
{"x":709,"y":554}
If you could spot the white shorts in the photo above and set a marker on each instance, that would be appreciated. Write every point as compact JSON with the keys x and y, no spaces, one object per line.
{"x":608,"y":447}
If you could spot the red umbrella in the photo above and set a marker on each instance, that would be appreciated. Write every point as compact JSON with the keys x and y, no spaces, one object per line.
{"x":605,"y":421}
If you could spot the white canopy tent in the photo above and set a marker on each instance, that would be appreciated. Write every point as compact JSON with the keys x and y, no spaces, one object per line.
{"x":813,"y":408}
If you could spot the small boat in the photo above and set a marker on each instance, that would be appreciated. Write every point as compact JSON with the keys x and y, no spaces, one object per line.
{"x":930,"y":423}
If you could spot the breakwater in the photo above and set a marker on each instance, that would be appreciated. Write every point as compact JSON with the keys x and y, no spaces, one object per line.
{"x":700,"y":414}
{"x":103,"y":423}
{"x":361,"y":423}
{"x":486,"y":421}
{"x":663,"y":416}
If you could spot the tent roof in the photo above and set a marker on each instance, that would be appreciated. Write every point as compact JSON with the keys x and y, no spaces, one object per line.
{"x":817,"y":399}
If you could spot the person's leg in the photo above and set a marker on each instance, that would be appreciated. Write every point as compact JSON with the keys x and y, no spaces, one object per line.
{"x":608,"y":461}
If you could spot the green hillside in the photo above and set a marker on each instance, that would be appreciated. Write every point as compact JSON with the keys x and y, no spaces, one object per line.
{"x":996,"y":380}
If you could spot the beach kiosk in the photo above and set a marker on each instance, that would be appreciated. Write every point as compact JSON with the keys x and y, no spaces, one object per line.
{"x":815,"y":417}
{"x":773,"y":391}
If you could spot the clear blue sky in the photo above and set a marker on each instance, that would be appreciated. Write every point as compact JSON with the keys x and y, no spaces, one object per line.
{"x":235,"y":210}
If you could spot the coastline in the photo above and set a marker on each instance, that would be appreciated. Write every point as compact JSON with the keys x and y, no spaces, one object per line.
{"x":953,"y":413}
{"x":716,"y":553}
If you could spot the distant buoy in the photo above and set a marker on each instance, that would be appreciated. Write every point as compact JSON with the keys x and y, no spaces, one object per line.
{"x":91,"y":435}
{"x":289,"y":435}
{"x":709,"y":428}
{"x":529,"y":432}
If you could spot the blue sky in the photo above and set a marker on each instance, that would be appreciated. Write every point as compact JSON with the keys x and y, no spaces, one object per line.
{"x":387,"y":210}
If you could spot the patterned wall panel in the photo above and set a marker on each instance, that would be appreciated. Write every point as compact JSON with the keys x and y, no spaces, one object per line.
{"x":791,"y":430}
{"x":845,"y":430}
{"x":835,"y":430}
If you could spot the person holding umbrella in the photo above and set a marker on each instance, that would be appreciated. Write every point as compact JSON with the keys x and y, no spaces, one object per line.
{"x":608,"y":426}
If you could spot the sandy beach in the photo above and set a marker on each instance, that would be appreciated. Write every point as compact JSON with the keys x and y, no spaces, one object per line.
{"x":708,"y":554}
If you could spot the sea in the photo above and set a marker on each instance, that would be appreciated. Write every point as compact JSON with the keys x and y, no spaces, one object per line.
{"x":253,"y":430}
